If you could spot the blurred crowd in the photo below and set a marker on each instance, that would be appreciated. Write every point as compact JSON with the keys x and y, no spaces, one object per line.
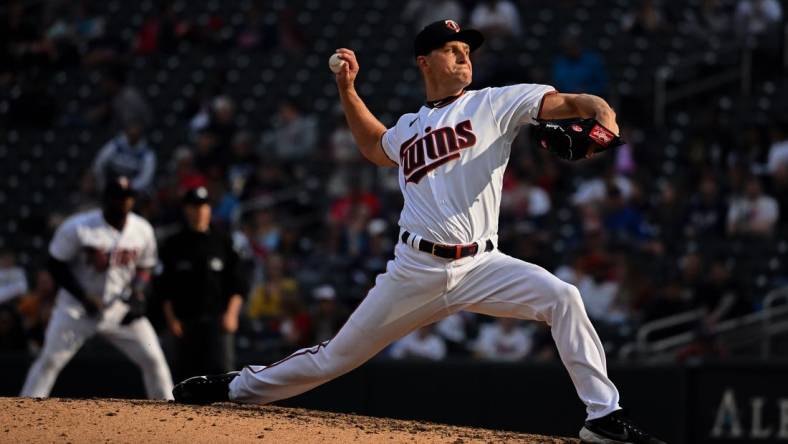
{"x":313,"y":223}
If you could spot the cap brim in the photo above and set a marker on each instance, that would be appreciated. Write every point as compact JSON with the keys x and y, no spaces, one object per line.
{"x":196,"y":201}
{"x":472,"y":37}
{"x":121,"y":194}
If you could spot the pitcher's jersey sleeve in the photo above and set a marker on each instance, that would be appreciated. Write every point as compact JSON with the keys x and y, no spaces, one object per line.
{"x":65,"y":243}
{"x":392,"y":138}
{"x":516,"y":105}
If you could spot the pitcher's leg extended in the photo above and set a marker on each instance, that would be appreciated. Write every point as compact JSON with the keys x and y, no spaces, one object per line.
{"x":394,"y":307}
{"x":509,"y":287}
{"x":64,"y":337}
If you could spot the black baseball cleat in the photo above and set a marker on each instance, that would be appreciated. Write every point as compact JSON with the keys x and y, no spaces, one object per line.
{"x":204,"y":389}
{"x":615,"y":428}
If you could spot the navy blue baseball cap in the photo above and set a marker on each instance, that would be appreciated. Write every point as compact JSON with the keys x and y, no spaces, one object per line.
{"x":196,"y":196}
{"x":118,"y":187}
{"x":436,"y":34}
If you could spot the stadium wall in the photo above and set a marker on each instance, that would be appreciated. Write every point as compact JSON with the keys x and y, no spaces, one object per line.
{"x":744,"y":402}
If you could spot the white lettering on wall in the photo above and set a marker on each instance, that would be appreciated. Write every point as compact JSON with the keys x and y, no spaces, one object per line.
{"x":727,"y":417}
{"x":783,"y":433}
{"x":758,"y":431}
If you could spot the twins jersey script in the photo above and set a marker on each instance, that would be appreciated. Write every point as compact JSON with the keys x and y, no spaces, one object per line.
{"x":104,"y":261}
{"x":451,"y":156}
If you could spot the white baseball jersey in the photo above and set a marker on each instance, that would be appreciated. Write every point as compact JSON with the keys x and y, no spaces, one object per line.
{"x":103,"y":259}
{"x":452,"y":160}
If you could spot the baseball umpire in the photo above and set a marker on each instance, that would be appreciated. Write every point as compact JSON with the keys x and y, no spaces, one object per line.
{"x":202,"y":289}
{"x":451,"y":155}
{"x":102,"y":260}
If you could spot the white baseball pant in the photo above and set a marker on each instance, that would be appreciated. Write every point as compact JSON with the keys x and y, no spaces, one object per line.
{"x":68,"y":330}
{"x":418,"y":289}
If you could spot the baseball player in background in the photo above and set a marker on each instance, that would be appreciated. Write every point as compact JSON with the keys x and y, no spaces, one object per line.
{"x":451,"y":156}
{"x":101,"y":260}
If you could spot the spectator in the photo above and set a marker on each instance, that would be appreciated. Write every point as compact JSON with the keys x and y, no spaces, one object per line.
{"x":13,"y":282}
{"x":780,"y":190}
{"x":128,"y":154}
{"x":295,"y":326}
{"x":692,"y":268}
{"x":719,"y":296}
{"x":121,"y":104}
{"x":421,"y":344}
{"x":757,"y":17}
{"x":646,"y":18}
{"x":267,"y":298}
{"x":225,"y":203}
{"x":454,"y":331}
{"x":207,"y":156}
{"x":705,"y":218}
{"x":752,"y":212}
{"x":343,"y":146}
{"x":294,"y":134}
{"x":24,"y":48}
{"x":267,"y":234}
{"x":379,"y":247}
{"x":161,"y":32}
{"x":343,"y":208}
{"x":421,"y":13}
{"x":268,"y":179}
{"x":241,"y":162}
{"x":292,"y":36}
{"x":668,"y":214}
{"x":496,"y":18}
{"x":259,"y":31}
{"x":707,"y":19}
{"x":598,"y":274}
{"x":220,"y":120}
{"x":594,"y":190}
{"x":35,"y":309}
{"x":578,"y":69}
{"x":503,"y":340}
{"x":85,"y":196}
{"x":522,"y":199}
{"x":202,"y":289}
{"x":670,"y":300}
{"x":347,"y":159}
{"x":183,"y":171}
{"x":599,"y":286}
{"x":623,"y":221}
{"x":328,"y":315}
{"x":778,"y":152}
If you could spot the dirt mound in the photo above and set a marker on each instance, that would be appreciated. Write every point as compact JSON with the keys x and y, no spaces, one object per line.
{"x":130,"y":421}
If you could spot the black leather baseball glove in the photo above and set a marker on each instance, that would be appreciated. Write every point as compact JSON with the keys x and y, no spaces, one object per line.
{"x":137,"y":308}
{"x":574,"y":139}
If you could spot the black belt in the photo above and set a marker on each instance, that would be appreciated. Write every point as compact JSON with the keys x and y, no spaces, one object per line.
{"x":448,"y":251}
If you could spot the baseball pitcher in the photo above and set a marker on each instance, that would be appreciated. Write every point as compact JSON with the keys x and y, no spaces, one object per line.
{"x":451,"y":155}
{"x":101,"y":260}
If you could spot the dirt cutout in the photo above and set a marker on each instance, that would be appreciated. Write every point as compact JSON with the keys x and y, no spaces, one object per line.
{"x":79,"y":421}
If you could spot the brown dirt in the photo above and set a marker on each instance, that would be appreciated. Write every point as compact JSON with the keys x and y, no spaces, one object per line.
{"x":130,"y":421}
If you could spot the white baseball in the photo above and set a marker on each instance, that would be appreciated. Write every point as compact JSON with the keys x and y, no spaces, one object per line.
{"x":336,"y":63}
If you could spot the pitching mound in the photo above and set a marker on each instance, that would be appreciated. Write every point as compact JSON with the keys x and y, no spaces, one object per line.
{"x":113,"y":420}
